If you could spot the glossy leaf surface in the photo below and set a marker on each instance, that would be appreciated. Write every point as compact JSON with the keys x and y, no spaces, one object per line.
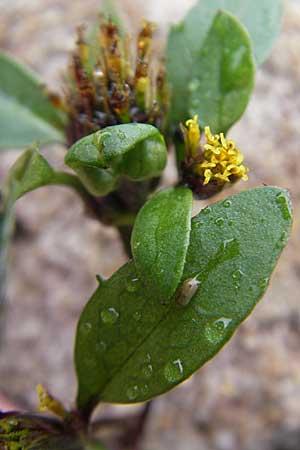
{"x":130,"y":347}
{"x":262,"y":19}
{"x":26,"y":113}
{"x":136,"y":151}
{"x":166,"y":221}
{"x":221,"y":92}
{"x":216,"y":78}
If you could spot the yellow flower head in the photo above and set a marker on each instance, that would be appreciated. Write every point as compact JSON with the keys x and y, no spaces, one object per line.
{"x":48,"y":403}
{"x":221,"y":161}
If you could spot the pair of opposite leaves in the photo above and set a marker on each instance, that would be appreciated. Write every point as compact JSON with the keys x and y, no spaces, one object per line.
{"x":141,"y":333}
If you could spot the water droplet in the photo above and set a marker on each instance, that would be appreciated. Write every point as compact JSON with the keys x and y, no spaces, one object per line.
{"x":101,"y":347}
{"x":206,"y":210}
{"x":224,"y":321}
{"x":214,"y":332}
{"x":237,"y":274}
{"x":132,"y":285}
{"x":109,"y":316}
{"x":231,"y":247}
{"x":147,"y":370}
{"x":263,"y":282}
{"x":173,"y":371}
{"x":282,"y":239}
{"x":194,"y":85}
{"x":187,"y":291}
{"x":198,"y":224}
{"x":219,"y":221}
{"x":284,"y":206}
{"x":121,"y":135}
{"x":227,"y":203}
{"x":132,"y":392}
{"x":136,"y":244}
{"x":87,"y":327}
{"x":137,"y":315}
{"x":144,"y":389}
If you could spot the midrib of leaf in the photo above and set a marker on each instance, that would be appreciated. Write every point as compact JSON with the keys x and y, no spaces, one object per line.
{"x":140,"y":344}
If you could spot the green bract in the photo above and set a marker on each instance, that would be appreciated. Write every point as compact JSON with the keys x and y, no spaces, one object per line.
{"x":26,"y":113}
{"x":130,"y":346}
{"x":136,"y":151}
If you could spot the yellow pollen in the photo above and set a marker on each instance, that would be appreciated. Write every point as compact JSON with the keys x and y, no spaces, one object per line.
{"x":222,"y":161}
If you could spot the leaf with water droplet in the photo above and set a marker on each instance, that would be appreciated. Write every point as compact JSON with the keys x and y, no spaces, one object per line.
{"x":233,"y":265}
{"x":137,"y":151}
{"x":190,"y":41}
{"x":162,"y":228}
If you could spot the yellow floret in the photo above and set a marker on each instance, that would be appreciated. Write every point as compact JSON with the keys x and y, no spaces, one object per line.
{"x":193,"y":134}
{"x":221,"y":159}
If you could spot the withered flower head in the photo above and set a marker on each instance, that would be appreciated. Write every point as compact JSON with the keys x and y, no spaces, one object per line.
{"x":207,"y":169}
{"x":117,"y":87}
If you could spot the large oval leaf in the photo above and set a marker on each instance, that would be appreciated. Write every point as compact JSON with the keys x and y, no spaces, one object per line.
{"x":220,"y":78}
{"x":130,"y":348}
{"x":221,"y":92}
{"x":26,"y":113}
{"x":159,"y":258}
{"x":137,"y":151}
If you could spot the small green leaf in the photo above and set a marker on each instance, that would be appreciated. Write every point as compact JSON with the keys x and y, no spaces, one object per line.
{"x":130,"y":347}
{"x":31,"y":171}
{"x":160,"y":240}
{"x":221,"y":78}
{"x":262,"y":18}
{"x":26,"y":113}
{"x":136,"y":151}
{"x":221,"y":92}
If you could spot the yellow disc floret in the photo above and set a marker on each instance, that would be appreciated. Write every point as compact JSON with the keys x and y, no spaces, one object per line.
{"x":193,"y":135}
{"x":221,"y":161}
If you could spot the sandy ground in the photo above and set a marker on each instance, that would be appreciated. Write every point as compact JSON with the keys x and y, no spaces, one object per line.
{"x":252,"y":389}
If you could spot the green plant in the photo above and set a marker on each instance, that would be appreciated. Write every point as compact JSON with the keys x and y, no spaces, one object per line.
{"x":190,"y":281}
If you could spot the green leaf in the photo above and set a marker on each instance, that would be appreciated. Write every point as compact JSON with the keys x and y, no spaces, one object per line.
{"x":26,"y":113}
{"x":216,"y":80}
{"x":136,"y":151}
{"x":31,"y":171}
{"x":262,"y":19}
{"x":221,"y":92}
{"x":130,"y":347}
{"x":159,"y":259}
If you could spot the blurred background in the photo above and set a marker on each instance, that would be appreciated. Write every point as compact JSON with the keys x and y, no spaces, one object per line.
{"x":248,"y":397}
